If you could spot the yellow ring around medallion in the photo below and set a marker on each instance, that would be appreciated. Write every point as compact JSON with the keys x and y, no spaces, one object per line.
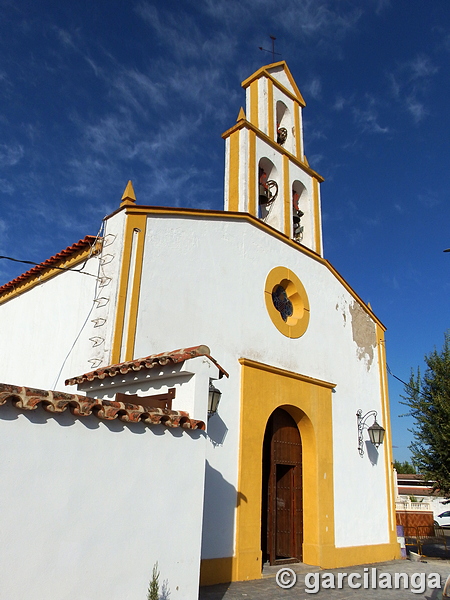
{"x":295,"y":325}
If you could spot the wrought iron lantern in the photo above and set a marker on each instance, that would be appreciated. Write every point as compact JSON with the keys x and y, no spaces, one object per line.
{"x":375,"y":431}
{"x":213,"y":399}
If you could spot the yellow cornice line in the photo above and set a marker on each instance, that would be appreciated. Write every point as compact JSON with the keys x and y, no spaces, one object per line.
{"x":241,"y":124}
{"x":288,"y":93}
{"x":241,"y":216}
{"x":261,"y":71}
{"x":248,"y":362}
{"x":264,"y":72}
{"x":49,"y":272}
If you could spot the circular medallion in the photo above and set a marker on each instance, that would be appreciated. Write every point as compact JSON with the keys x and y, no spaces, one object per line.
{"x":287,"y":302}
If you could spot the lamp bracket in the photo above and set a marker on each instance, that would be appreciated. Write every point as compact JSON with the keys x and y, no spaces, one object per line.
{"x":362,"y":424}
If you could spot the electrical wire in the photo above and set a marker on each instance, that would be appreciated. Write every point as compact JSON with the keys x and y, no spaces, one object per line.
{"x":29,"y":262}
{"x":405,"y":384}
{"x":80,"y":270}
{"x":100,"y":232}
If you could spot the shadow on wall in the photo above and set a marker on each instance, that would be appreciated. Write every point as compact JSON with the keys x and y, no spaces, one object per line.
{"x":218,"y":522}
{"x":39,"y":416}
{"x":217,"y":430}
{"x":372,"y":452}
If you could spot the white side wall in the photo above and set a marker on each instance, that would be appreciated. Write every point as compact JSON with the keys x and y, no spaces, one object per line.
{"x":95,"y":505}
{"x":204,"y":284}
{"x":51,"y":328}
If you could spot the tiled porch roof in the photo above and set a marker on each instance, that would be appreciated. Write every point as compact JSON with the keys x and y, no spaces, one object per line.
{"x":82,"y":406}
{"x":148,"y":362}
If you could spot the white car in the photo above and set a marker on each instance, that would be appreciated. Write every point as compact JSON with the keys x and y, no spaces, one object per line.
{"x":443,"y":520}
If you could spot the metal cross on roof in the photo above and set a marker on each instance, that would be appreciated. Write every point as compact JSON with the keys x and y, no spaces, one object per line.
{"x":273,"y":38}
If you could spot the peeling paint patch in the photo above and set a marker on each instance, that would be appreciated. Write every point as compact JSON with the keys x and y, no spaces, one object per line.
{"x":341,"y":307}
{"x":364,"y":334}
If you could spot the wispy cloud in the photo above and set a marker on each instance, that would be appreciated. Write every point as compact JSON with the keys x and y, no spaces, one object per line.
{"x":415,"y":108}
{"x":381,"y":5}
{"x":366,"y":118}
{"x":10,"y":154}
{"x":64,"y":37}
{"x":314,"y":87}
{"x":420,"y":67}
{"x":429,"y":199}
{"x":410,"y":85}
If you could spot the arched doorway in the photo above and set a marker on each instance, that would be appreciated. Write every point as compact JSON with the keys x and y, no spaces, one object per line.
{"x":282,"y":514}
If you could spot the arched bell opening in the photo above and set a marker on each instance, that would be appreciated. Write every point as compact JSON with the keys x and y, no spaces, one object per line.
{"x":282,"y":508}
{"x":267,"y":186}
{"x":299,"y":201}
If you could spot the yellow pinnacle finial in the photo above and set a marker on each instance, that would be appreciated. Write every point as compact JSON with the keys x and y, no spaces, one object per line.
{"x":129,"y":197}
{"x":241,"y":115}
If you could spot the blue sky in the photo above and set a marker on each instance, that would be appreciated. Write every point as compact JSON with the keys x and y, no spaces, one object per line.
{"x":96,"y":93}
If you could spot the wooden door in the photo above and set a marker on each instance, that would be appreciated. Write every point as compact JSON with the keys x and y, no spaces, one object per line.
{"x":282,"y":516}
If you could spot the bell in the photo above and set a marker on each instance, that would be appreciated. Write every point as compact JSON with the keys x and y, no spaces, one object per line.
{"x":263,"y":198}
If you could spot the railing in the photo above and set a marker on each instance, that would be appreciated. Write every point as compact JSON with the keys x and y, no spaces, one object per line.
{"x":408,"y":505}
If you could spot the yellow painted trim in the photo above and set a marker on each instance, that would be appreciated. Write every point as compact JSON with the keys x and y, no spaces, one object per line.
{"x":233,"y":173}
{"x":132,"y":221}
{"x":296,"y":325}
{"x":287,"y":197}
{"x":264,"y":71}
{"x":136,"y":288}
{"x":252,"y":174}
{"x":270,"y":110}
{"x":317,"y":233}
{"x":265,"y":138}
{"x":333,"y":558}
{"x":287,"y":92}
{"x":298,"y":132}
{"x":224,"y":570}
{"x":262,"y":391}
{"x":254,"y":364}
{"x":388,"y":455}
{"x":68,"y":263}
{"x":217,"y":570}
{"x":254,"y":104}
{"x":255,"y":222}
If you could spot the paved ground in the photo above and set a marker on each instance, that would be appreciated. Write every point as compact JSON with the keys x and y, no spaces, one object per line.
{"x":370,"y":576}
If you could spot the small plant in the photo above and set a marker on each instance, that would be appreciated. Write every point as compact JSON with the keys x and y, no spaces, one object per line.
{"x":165,"y":591}
{"x":153,"y":588}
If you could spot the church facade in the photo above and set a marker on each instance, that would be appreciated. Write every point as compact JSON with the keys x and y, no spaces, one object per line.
{"x":288,"y":475}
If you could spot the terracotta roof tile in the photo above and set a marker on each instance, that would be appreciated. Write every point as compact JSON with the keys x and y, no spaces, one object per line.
{"x":148,"y":362}
{"x":82,"y":406}
{"x":53,"y":261}
{"x":416,"y":491}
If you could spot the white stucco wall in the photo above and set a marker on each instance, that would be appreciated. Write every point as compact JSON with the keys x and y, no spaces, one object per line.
{"x":87,"y":507}
{"x":52,"y":330}
{"x":203,"y":282}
